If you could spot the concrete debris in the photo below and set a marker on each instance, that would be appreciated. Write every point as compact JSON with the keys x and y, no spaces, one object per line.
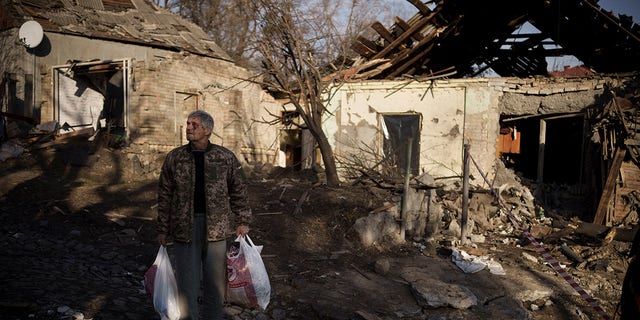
{"x":436,"y":294}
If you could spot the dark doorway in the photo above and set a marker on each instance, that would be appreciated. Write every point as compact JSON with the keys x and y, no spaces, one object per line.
{"x":399,"y":130}
{"x":291,"y":144}
{"x":562,"y":148}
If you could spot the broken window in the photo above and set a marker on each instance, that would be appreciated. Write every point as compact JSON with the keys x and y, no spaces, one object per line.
{"x":92,"y":98}
{"x":400,"y":131}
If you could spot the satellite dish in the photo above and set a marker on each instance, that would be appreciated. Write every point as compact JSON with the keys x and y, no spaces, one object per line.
{"x":30,"y":34}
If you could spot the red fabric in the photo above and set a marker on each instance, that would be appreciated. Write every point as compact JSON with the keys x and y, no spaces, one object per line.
{"x":149,"y":279}
{"x":240,"y":288}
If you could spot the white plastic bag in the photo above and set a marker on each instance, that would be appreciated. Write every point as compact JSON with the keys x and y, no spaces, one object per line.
{"x":160,"y":284}
{"x":248,"y":282}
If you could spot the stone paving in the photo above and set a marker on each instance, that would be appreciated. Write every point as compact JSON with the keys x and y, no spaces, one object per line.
{"x":52,"y":270}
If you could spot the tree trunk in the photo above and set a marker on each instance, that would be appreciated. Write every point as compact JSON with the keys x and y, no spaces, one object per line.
{"x":326,"y":151}
{"x":329,"y":159}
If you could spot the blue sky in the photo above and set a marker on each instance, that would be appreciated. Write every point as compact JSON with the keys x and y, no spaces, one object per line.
{"x":628,"y":7}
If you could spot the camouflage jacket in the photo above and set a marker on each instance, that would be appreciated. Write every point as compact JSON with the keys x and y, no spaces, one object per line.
{"x":225,"y":193}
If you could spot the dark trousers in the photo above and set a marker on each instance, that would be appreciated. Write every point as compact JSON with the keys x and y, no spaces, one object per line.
{"x":201,"y":262}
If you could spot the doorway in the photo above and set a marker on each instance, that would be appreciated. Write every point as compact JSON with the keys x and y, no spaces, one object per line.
{"x":546,"y":149}
{"x":400,"y":131}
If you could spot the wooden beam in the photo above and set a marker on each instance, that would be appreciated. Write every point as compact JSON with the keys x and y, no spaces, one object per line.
{"x":383,"y":32}
{"x":542,"y":139}
{"x":370,"y":44}
{"x":405,"y":26}
{"x":607,"y":191}
{"x":363,"y":50}
{"x":417,"y":52}
{"x":418,"y":26}
{"x":422,"y":7}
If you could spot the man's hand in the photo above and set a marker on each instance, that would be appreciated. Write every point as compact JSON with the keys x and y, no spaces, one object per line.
{"x":242,"y":230}
{"x":162,"y":239}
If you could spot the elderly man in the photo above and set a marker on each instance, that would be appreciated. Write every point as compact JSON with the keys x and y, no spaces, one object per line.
{"x":202,"y":197}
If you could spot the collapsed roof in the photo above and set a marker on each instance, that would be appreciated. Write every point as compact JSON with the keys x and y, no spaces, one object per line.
{"x":130,"y":21}
{"x":463,"y":38}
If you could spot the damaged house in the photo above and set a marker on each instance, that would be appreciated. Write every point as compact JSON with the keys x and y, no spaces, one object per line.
{"x":132,"y":71}
{"x":127,"y":70}
{"x":572,"y":137}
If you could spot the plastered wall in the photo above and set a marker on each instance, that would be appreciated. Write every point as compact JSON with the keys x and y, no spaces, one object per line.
{"x":445,"y":109}
{"x":454,"y":112}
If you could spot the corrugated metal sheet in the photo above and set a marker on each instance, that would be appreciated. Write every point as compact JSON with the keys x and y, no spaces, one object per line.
{"x":62,"y":18}
{"x":137,"y":21}
{"x":91,"y":4}
{"x":117,"y":5}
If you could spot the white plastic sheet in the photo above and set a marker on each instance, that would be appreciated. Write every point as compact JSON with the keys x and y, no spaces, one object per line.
{"x":472,"y":264}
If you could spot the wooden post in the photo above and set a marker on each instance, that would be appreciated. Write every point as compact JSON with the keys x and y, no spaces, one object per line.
{"x":542,"y":140}
{"x":465,"y":196}
{"x":407,"y":174}
{"x":607,"y":190}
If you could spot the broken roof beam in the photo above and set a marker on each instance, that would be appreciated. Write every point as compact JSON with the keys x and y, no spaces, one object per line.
{"x":417,"y":52}
{"x":422,"y":7}
{"x":384,"y":33}
{"x":402,"y":38}
{"x":364,"y":47}
{"x":404,"y":26}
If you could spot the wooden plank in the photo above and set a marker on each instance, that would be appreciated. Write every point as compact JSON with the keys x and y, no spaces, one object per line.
{"x":369,"y":44}
{"x":405,"y":26}
{"x":541,"y":144}
{"x":416,"y":53}
{"x":422,"y":7}
{"x":363,"y":50}
{"x":421,"y":23}
{"x":609,"y":185}
{"x":383,"y":32}
{"x":624,"y":193}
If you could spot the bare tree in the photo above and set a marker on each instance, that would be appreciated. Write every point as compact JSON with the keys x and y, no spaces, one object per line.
{"x":170,"y":5}
{"x":332,"y":24}
{"x":294,"y":42}
{"x":230,"y":23}
{"x":291,"y":68}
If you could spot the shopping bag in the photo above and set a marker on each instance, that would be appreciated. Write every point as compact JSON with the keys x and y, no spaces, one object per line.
{"x":160,"y":284}
{"x":247,"y":279}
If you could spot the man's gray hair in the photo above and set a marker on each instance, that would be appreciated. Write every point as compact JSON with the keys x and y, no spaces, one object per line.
{"x":205,"y":118}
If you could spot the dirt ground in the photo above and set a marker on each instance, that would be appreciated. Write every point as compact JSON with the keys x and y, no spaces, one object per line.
{"x":77,"y":237}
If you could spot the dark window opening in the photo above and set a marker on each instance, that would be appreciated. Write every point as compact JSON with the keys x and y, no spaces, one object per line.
{"x":398,"y":131}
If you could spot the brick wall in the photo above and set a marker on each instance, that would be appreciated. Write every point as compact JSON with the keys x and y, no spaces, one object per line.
{"x":167,"y":89}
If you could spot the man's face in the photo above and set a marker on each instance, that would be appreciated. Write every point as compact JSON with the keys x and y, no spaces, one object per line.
{"x":195,"y":131}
